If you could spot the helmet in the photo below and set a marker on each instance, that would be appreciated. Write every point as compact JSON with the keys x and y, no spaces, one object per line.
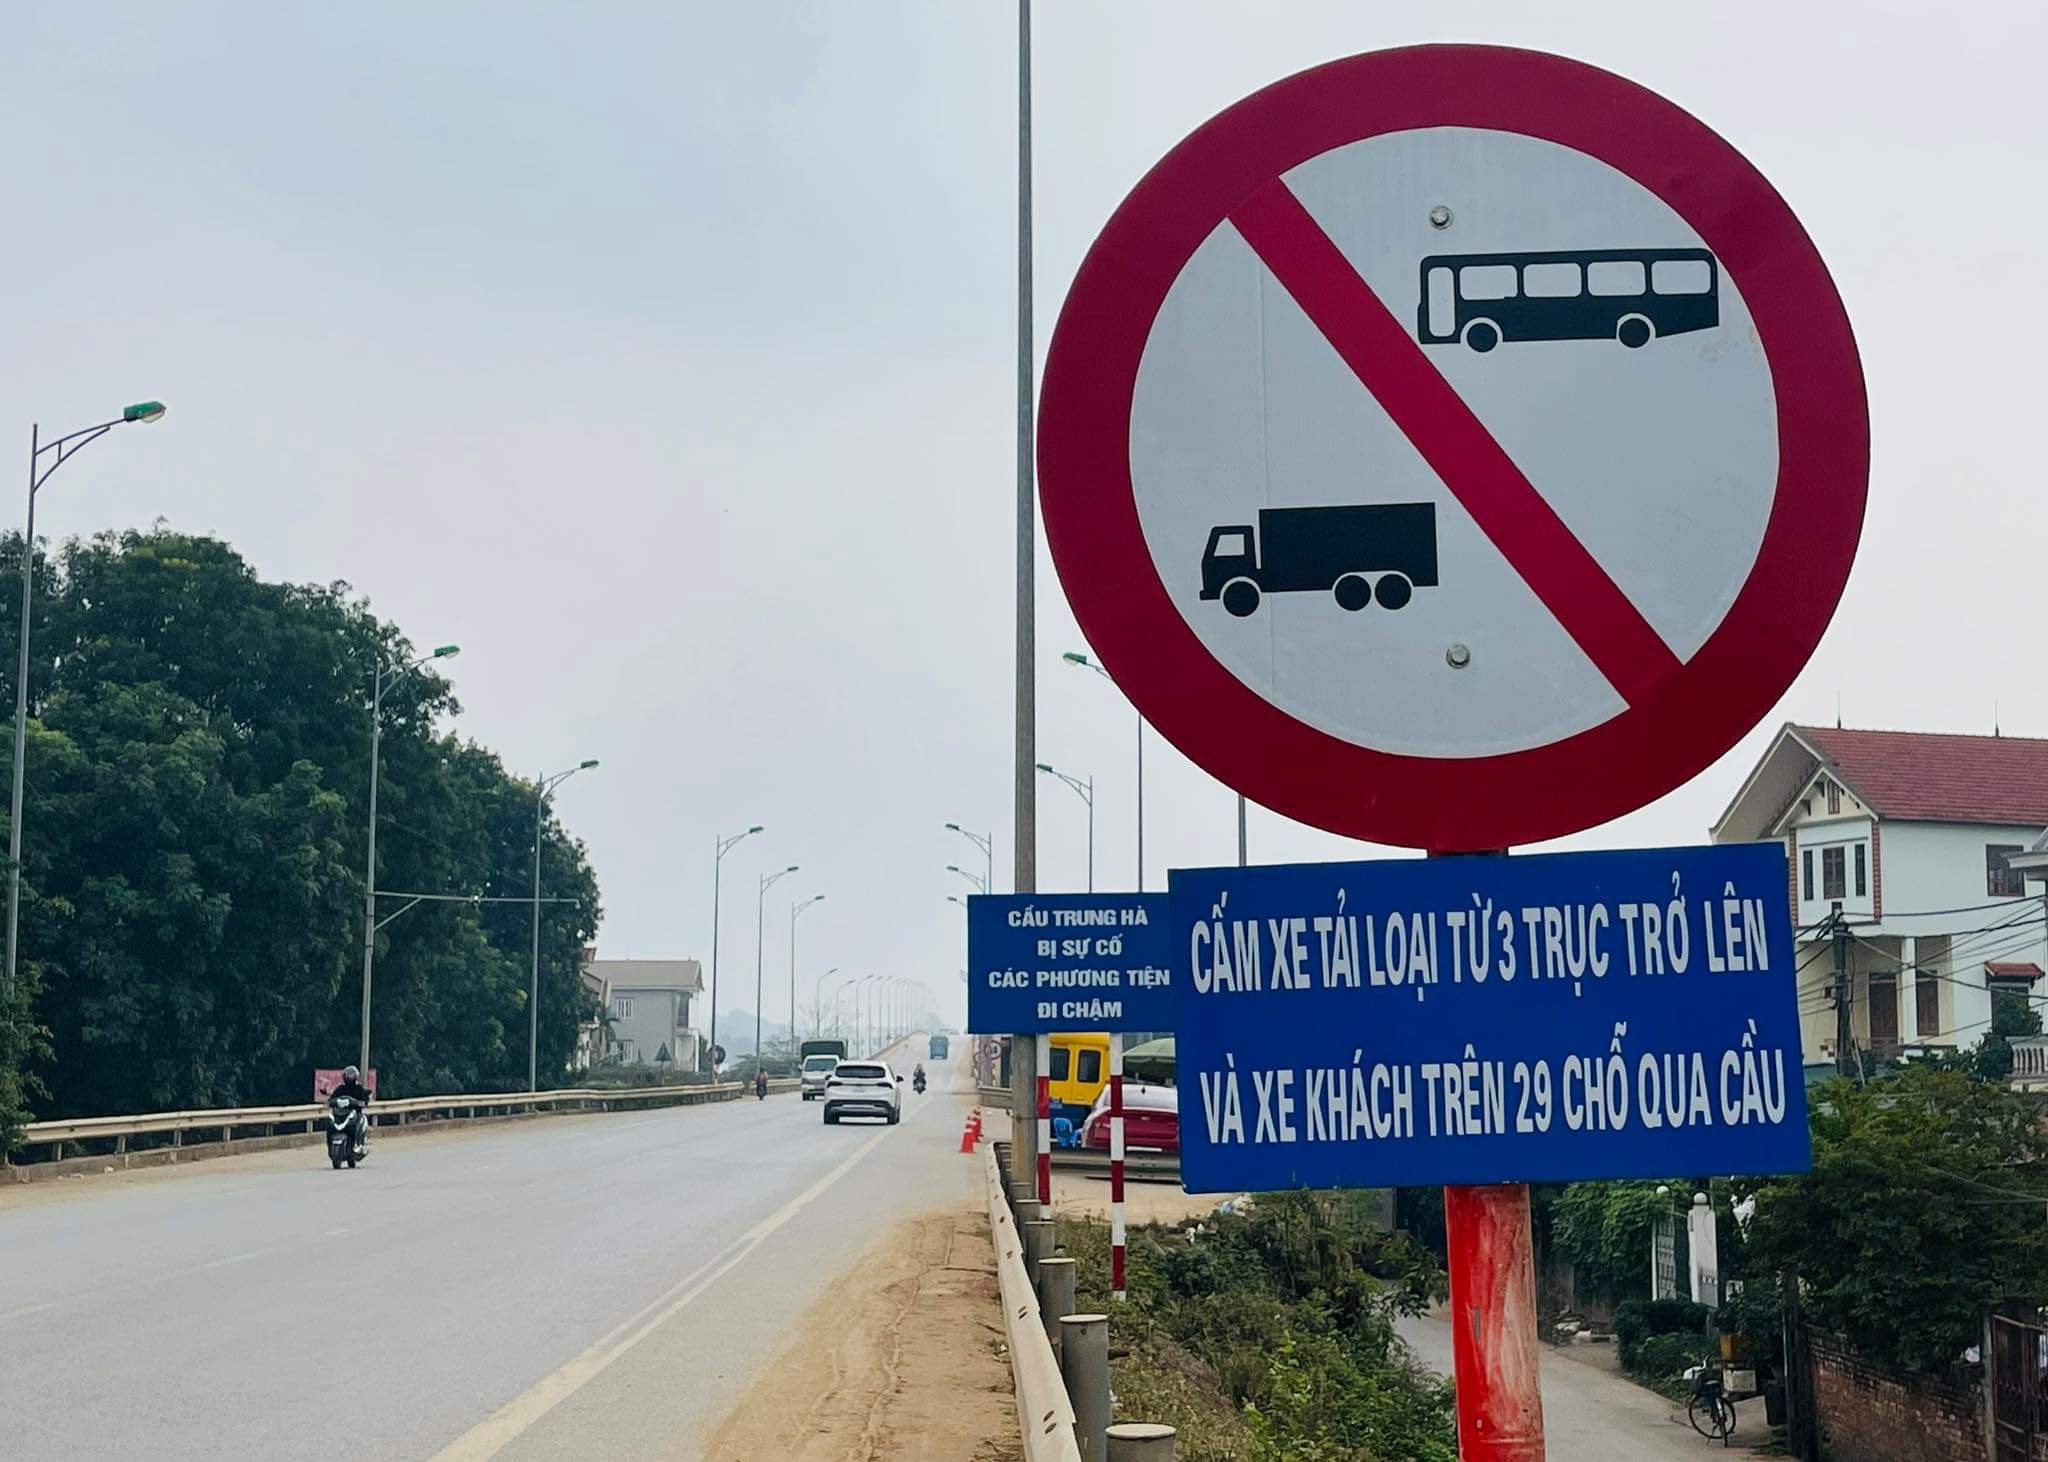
{"x":351,"y":1074}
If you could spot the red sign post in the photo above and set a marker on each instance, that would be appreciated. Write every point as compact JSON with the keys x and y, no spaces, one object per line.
{"x":1455,"y":447}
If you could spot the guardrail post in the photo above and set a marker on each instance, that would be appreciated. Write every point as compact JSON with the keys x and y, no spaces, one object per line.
{"x":1141,"y":1441}
{"x":1024,"y":1210}
{"x":121,"y":1143}
{"x":1084,"y":1365}
{"x":1039,"y":1242}
{"x":1055,"y":1295}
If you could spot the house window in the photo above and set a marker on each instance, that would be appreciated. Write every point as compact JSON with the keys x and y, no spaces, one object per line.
{"x":1833,"y":862}
{"x":1926,"y":1004}
{"x":2001,"y":879}
{"x":1806,"y":875}
{"x":622,"y":1007}
{"x":1862,"y":870}
{"x":1834,"y":798}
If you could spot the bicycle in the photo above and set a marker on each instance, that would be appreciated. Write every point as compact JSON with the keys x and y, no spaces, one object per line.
{"x":1712,"y":1414}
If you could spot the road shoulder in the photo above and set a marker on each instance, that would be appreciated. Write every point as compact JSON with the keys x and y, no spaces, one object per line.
{"x":900,"y":1359}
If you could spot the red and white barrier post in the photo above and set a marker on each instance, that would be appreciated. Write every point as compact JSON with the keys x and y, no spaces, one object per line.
{"x":1116,"y":1164}
{"x":1045,"y":1122}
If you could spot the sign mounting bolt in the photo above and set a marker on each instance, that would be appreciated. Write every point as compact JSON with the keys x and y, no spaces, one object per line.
{"x":1457,"y":657}
{"x":1439,"y":217}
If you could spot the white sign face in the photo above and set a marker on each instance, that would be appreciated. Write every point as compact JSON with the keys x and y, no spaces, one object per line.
{"x":1593,"y":336}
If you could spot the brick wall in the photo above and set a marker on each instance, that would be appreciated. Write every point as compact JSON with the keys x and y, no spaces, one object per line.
{"x":1869,"y":1414}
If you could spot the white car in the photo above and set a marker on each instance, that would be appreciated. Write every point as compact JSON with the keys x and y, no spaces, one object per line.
{"x":863,"y":1089}
{"x":817,"y":1070}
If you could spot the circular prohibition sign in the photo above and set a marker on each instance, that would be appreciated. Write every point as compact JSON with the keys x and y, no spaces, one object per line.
{"x":1533,"y":384}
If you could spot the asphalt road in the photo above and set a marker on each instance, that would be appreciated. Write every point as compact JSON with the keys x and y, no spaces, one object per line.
{"x":559,"y":1288}
{"x":1591,"y":1414}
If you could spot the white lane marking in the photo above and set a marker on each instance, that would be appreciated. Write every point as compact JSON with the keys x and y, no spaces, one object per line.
{"x":231,"y":1259}
{"x":503,"y":1426}
{"x":334,"y":1233}
{"x":27,"y":1310}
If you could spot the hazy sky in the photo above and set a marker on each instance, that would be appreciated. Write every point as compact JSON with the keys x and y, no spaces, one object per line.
{"x":662,"y":356}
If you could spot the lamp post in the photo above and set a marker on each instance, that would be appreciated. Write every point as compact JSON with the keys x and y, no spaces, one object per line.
{"x":380,"y":683}
{"x":862,"y":1035}
{"x":973,"y":878}
{"x":1085,"y":663}
{"x":65,"y":447}
{"x":540,"y":801}
{"x":818,"y":1002}
{"x":725,"y":845}
{"x":768,"y":881}
{"x":794,"y":910}
{"x":988,"y":853}
{"x":1086,"y":792}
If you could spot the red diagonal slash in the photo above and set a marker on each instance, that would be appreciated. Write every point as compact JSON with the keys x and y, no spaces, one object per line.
{"x":1507,"y":507}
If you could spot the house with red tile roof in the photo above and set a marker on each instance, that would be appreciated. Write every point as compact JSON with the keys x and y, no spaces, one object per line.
{"x":1924,"y":846}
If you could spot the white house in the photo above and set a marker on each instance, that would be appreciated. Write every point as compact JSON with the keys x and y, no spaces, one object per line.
{"x":1913,"y":837}
{"x":649,"y":1004}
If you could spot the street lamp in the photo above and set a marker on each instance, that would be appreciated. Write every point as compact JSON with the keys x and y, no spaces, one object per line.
{"x":768,"y":881}
{"x":1072,"y":658}
{"x":379,"y":684}
{"x":862,"y":1035}
{"x":1086,"y":792}
{"x":66,"y":447}
{"x":794,"y":910}
{"x":973,"y":878}
{"x":725,"y":845}
{"x":818,"y":1002}
{"x":540,"y":801}
{"x":988,"y":852}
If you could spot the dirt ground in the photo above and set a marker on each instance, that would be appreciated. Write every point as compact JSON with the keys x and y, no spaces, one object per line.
{"x":906,"y":1361}
{"x":1143,"y":1202}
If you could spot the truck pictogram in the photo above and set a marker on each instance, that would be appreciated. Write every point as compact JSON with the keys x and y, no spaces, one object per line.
{"x":1357,"y":553}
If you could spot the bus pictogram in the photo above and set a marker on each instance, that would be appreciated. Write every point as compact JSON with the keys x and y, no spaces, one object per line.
{"x":1629,"y":295}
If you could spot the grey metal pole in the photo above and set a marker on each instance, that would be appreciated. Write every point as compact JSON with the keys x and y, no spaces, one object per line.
{"x":1055,"y":1295}
{"x":28,"y":581}
{"x":1084,"y":1365}
{"x":370,"y":869}
{"x":1141,"y":1441}
{"x":1091,"y":832}
{"x":1024,"y":866}
{"x":760,"y":918}
{"x":717,"y":864}
{"x":540,"y":802}
{"x":1141,"y":802}
{"x":795,"y":908}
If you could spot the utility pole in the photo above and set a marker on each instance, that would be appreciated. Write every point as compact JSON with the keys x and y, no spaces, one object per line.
{"x":1846,"y":1060}
{"x":1024,"y":869}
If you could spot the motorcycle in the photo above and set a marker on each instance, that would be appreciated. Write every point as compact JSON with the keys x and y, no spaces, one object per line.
{"x":761,"y":1087}
{"x":917,"y":1083}
{"x":346,"y":1122}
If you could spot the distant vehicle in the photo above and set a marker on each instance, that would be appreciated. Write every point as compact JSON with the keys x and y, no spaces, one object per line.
{"x":1151,"y":1120}
{"x":1357,"y":553}
{"x":346,"y":1121}
{"x":821,"y":1048}
{"x":863,"y":1089}
{"x":1077,"y":1072}
{"x":816,"y":1071}
{"x":939,"y":1049}
{"x":1629,"y":295}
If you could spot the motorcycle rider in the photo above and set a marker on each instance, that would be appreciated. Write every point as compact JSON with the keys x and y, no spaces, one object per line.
{"x":917,"y":1077}
{"x":353,"y":1088}
{"x":761,"y":1085}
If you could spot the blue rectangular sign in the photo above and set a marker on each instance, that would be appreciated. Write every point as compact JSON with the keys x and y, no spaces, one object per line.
{"x":1487,"y":1020}
{"x":1068,"y":962}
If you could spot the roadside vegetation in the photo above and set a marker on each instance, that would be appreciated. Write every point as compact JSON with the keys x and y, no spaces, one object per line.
{"x":1269,"y":1334}
{"x":194,"y":830}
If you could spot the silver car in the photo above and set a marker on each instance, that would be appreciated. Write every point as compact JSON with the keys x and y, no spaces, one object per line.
{"x":863,"y":1089}
{"x":816,"y":1070}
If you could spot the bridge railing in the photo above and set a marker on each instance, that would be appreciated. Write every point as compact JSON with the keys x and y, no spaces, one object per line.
{"x":398,"y":1110}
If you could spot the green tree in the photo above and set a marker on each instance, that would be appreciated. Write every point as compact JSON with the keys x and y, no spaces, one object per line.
{"x":1923,"y":1207}
{"x":195,"y":833}
{"x":2012,"y":1014}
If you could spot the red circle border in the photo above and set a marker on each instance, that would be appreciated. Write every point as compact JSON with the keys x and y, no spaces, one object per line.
{"x":1463,"y":803}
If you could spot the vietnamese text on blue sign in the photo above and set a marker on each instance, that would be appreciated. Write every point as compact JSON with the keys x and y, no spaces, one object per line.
{"x":1482,"y":1020}
{"x":1047,"y":962}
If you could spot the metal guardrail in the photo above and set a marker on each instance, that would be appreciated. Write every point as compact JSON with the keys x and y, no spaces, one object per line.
{"x":1044,"y":1413}
{"x":994,"y":1096}
{"x":226,"y":1120}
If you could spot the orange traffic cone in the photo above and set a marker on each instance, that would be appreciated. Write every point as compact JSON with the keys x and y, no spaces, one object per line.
{"x":975,"y":1118}
{"x":967,"y":1135}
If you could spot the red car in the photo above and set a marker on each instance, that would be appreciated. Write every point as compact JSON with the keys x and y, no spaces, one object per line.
{"x":1151,"y":1120}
